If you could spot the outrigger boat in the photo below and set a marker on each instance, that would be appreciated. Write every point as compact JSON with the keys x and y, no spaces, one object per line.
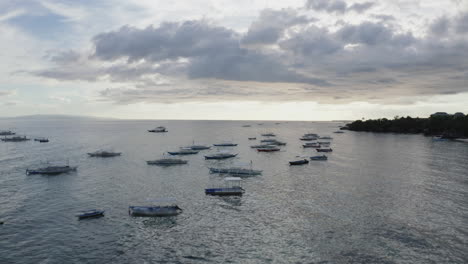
{"x":236,"y":171}
{"x":159,"y":129}
{"x":219,"y":156}
{"x":160,"y":207}
{"x":42,"y":140}
{"x":90,"y":214}
{"x":166,"y":162}
{"x":15,"y":139}
{"x":232,"y":187}
{"x":225,"y":145}
{"x":268,"y":149}
{"x":104,"y":154}
{"x":320,"y":157}
{"x":7,"y":133}
{"x":51,"y":170}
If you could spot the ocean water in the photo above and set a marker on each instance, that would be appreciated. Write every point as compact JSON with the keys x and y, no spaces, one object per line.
{"x":380,"y":198}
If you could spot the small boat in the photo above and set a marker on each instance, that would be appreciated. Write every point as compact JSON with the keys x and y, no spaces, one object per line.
{"x":262,"y":146}
{"x":325,"y":137}
{"x":308,"y":138}
{"x":51,"y":170}
{"x":15,"y":139}
{"x":299,"y":162}
{"x":183,"y":152}
{"x":104,"y":154}
{"x":338,"y":132}
{"x":236,"y":171}
{"x":269,"y":135}
{"x":252,"y":138}
{"x":324,"y":142}
{"x":268,"y":149}
{"x":166,"y":162}
{"x":219,"y":156}
{"x":7,"y":133}
{"x":311,"y":145}
{"x":324,"y":150}
{"x":160,"y":207}
{"x":320,"y":157}
{"x":197,"y":147}
{"x":462,"y":140}
{"x":232,"y":187}
{"x":90,"y":214}
{"x":246,"y":126}
{"x":159,"y":129}
{"x":41,"y":140}
{"x":311,"y":135}
{"x":225,"y":144}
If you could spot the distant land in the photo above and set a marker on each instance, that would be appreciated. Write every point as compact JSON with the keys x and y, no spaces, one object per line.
{"x":449,"y":126}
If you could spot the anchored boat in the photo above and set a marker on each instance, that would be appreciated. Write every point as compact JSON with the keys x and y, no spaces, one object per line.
{"x":15,"y":139}
{"x":42,"y":140}
{"x":226,"y":144}
{"x":166,"y":162}
{"x":160,"y":207}
{"x":232,"y":187}
{"x":311,"y":145}
{"x":320,"y":157}
{"x":159,"y":129}
{"x":324,"y":150}
{"x":7,"y":133}
{"x":94,"y":213}
{"x":104,"y":154}
{"x":236,"y":171}
{"x":299,"y":162}
{"x":51,"y":170}
{"x":183,"y":152}
{"x":219,"y":156}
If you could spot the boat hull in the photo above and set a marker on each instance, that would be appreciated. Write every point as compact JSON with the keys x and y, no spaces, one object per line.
{"x":94,"y":214}
{"x":154,"y":211}
{"x":224,"y":191}
{"x":299,"y":162}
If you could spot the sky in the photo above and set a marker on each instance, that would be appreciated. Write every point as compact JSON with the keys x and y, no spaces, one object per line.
{"x":239,"y":60}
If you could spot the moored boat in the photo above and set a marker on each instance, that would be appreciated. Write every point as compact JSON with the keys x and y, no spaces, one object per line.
{"x":236,"y":171}
{"x":324,"y":150}
{"x":232,"y":187}
{"x":42,"y":140}
{"x":15,"y":139}
{"x":268,"y":149}
{"x":252,"y":138}
{"x":338,"y":132}
{"x":311,"y":145}
{"x":159,"y":129}
{"x":166,"y":162}
{"x":269,"y":135}
{"x":219,"y":156}
{"x":158,"y":208}
{"x":225,"y":144}
{"x":104,"y":154}
{"x":299,"y":162}
{"x":51,"y":170}
{"x":94,"y":213}
{"x":320,"y":157}
{"x":7,"y":133}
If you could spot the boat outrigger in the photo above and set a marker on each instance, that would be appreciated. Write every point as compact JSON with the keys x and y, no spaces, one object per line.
{"x":160,"y":207}
{"x":166,"y":162}
{"x":232,"y":187}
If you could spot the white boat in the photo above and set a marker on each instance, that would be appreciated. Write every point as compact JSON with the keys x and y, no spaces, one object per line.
{"x":159,"y":207}
{"x":232,"y":187}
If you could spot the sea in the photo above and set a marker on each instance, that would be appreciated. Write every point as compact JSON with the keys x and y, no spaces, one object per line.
{"x":379,"y":198}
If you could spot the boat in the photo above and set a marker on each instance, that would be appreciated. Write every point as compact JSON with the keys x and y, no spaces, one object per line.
{"x":324,"y":150}
{"x":166,"y":162}
{"x":219,"y":156}
{"x":104,"y":154}
{"x":269,"y":135}
{"x":225,"y":144}
{"x":183,"y":152}
{"x":308,"y":138}
{"x":246,"y":126}
{"x":268,"y":149}
{"x":41,"y":140}
{"x":7,"y":133}
{"x":338,"y":132}
{"x":51,"y":170}
{"x":159,"y":129}
{"x":273,"y":142}
{"x":320,"y":157}
{"x":232,"y":187}
{"x":325,"y":137}
{"x":311,"y":145}
{"x":236,"y":171}
{"x":15,"y":139}
{"x":94,"y":213}
{"x":252,"y":138}
{"x":299,"y":162}
{"x":160,"y":207}
{"x":439,"y":138}
{"x":261,"y":146}
{"x":324,"y":142}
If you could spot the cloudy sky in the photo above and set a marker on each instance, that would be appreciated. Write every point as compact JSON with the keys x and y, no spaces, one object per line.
{"x":223,"y":59}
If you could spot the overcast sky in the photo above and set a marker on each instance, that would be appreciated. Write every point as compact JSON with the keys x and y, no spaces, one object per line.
{"x":296,"y":60}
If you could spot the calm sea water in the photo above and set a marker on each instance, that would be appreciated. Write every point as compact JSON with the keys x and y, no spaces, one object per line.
{"x":380,"y":198}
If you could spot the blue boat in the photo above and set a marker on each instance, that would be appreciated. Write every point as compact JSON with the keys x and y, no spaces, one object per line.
{"x":233,"y":188}
{"x":90,"y":214}
{"x":320,"y":157}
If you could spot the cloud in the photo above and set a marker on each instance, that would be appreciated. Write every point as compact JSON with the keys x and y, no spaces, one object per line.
{"x":337,"y":6}
{"x":7,"y":93}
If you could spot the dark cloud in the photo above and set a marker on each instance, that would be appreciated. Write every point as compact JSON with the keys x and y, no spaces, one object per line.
{"x":337,"y":6}
{"x":440,"y":26}
{"x":462,"y":23}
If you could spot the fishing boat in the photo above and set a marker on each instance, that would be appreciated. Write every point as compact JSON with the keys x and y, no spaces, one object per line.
{"x":94,"y":213}
{"x":252,"y":138}
{"x":338,"y":132}
{"x":324,"y":150}
{"x":219,"y":156}
{"x":7,"y":133}
{"x":236,"y":171}
{"x":268,"y":149}
{"x":15,"y":139}
{"x":51,"y":170}
{"x":166,"y":162}
{"x":324,"y":142}
{"x":273,"y":142}
{"x":269,"y":135}
{"x":261,"y":146}
{"x":104,"y":154}
{"x":320,"y":157}
{"x":232,"y":187}
{"x":225,"y":144}
{"x":183,"y":152}
{"x":159,"y":129}
{"x":159,"y":207}
{"x":311,"y":145}
{"x":42,"y":140}
{"x":308,"y":138}
{"x":299,"y":162}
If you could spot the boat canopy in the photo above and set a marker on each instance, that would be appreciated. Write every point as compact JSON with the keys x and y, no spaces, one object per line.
{"x":232,"y":179}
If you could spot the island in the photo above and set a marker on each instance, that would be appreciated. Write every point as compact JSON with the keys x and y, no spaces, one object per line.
{"x":449,"y":126}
